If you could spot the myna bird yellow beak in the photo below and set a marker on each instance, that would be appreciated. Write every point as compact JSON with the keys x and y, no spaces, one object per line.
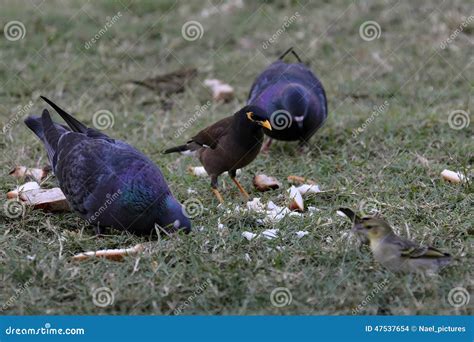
{"x":266,"y":124}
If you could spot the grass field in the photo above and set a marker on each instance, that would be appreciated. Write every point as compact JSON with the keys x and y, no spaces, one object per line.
{"x":396,"y":91}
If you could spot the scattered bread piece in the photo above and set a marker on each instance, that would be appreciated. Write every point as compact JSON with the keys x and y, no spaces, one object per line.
{"x":264,"y":183}
{"x":111,"y":254}
{"x":220,"y":91}
{"x":296,"y":203}
{"x":33,"y":173}
{"x":197,"y":171}
{"x":308,"y":189}
{"x":22,"y":188}
{"x":46,"y":199}
{"x":249,"y":235}
{"x":453,"y":177}
{"x":299,"y":180}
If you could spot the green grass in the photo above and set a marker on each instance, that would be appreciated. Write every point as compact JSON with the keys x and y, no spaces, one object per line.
{"x":325,"y":271}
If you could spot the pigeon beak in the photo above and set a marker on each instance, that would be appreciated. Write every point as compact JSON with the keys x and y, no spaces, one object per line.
{"x":266,"y":124}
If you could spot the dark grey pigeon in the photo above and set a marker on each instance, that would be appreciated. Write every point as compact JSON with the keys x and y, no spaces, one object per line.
{"x":108,"y":182}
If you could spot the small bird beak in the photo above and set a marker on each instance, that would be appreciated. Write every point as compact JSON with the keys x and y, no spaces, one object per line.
{"x":266,"y":124}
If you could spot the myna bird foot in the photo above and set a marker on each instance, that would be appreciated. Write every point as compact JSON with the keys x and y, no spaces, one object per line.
{"x":218,"y":195}
{"x":241,"y":189}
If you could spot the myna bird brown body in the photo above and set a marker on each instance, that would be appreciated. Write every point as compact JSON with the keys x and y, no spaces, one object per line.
{"x":228,"y":145}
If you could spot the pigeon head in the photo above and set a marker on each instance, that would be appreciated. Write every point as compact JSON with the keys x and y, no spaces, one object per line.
{"x":172,"y":216}
{"x":296,"y":100}
{"x":255,"y":115}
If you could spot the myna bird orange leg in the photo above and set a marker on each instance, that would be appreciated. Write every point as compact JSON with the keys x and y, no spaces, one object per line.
{"x":232,"y":174}
{"x":214,"y":189}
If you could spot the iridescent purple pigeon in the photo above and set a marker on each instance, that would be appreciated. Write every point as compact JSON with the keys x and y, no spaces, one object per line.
{"x":106,"y":181}
{"x":293,"y":98}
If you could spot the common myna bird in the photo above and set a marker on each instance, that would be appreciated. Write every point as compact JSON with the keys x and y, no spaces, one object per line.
{"x":228,"y":145}
{"x":398,"y":254}
{"x":293,"y":99}
{"x":106,"y":181}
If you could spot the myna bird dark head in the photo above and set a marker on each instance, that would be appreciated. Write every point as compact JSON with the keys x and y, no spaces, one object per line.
{"x":257,"y":115}
{"x":373,"y":227}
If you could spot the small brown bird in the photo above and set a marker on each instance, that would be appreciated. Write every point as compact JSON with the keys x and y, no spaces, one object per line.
{"x":228,"y":145}
{"x":398,"y":254}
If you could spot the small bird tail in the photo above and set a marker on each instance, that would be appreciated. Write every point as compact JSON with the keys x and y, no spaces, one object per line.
{"x":47,"y":131}
{"x":181,"y":148}
{"x":73,"y":123}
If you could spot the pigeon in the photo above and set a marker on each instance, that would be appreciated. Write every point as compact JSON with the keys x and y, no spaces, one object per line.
{"x":293,"y":98}
{"x":106,"y":181}
{"x":228,"y":145}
